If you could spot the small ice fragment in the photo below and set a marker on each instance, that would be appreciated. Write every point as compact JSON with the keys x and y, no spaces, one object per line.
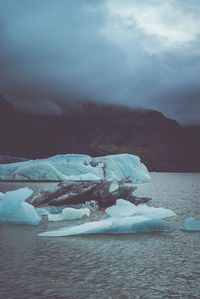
{"x":69,"y":214}
{"x":190,"y":224}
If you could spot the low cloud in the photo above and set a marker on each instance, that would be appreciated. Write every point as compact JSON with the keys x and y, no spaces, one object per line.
{"x":136,"y":53}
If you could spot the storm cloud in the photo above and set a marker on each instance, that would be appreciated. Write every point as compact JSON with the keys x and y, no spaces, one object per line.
{"x":144,"y":54}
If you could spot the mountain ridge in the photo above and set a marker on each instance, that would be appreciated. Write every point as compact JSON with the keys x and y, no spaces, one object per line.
{"x":101,"y":129}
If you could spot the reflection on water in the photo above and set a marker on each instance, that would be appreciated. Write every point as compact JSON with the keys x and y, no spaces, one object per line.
{"x":156,"y":265}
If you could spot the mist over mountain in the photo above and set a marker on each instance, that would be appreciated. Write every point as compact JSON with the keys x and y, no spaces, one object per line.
{"x":100,"y":129}
{"x":140,"y":54}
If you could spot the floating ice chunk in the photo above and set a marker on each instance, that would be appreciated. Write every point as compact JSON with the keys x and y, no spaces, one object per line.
{"x":69,"y":214}
{"x":190,"y":224}
{"x":125,"y":208}
{"x":123,"y":217}
{"x":112,"y":226}
{"x":136,"y":224}
{"x":13,"y":209}
{"x":77,"y":168}
{"x":42,"y":211}
{"x":86,"y":228}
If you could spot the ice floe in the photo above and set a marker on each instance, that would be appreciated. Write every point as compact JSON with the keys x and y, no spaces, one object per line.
{"x":13,"y":209}
{"x":190,"y":224}
{"x":124,"y":217}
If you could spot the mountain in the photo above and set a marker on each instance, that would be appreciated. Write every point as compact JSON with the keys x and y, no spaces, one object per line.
{"x":31,"y":137}
{"x":161,"y":143}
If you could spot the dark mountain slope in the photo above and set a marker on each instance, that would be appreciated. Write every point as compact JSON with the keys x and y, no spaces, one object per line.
{"x":29,"y":136}
{"x":162,"y":143}
{"x":114,"y":129}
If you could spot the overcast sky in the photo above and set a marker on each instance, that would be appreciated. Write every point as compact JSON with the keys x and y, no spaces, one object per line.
{"x":140,"y":53}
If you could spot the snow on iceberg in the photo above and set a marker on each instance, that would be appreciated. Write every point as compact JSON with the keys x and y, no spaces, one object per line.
{"x":190,"y":224}
{"x":77,"y":168}
{"x":69,"y":214}
{"x":124,"y":217}
{"x":13,"y":209}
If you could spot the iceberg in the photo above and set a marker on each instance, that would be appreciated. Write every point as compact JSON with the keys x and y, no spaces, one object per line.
{"x":77,"y":168}
{"x":190,"y":224}
{"x":69,"y":214}
{"x":124,"y":217}
{"x":13,"y":209}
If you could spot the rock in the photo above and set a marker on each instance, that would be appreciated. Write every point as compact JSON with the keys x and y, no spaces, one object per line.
{"x":104,"y":192}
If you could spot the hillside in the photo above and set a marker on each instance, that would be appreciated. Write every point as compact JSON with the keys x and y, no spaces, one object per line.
{"x":162,"y":143}
{"x":33,"y":137}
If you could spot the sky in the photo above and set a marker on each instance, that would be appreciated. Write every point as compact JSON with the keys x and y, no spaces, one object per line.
{"x":143,"y":54}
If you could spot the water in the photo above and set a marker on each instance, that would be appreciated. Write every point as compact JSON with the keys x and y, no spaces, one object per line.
{"x":156,"y":265}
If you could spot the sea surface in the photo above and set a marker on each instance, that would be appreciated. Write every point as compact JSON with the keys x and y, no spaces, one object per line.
{"x":143,"y":265}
